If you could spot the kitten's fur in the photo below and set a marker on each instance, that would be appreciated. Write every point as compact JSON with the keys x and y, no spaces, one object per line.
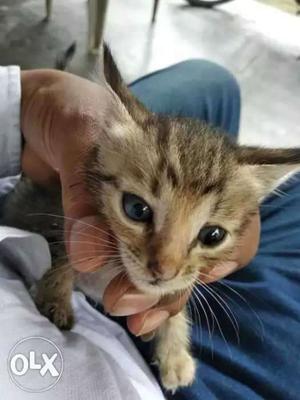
{"x":191,"y":176}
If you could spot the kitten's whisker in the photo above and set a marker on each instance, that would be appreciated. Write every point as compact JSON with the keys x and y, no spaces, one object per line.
{"x":64,"y":268}
{"x":207,"y":322}
{"x":84,"y":234}
{"x":84,"y":242}
{"x":106,"y":232}
{"x":111,"y":255}
{"x":117,"y":268}
{"x":94,"y":252}
{"x":257,"y":317}
{"x":94,"y":259}
{"x":220,"y":294}
{"x":231,"y":317}
{"x":213,"y":292}
{"x":120,"y":277}
{"x":248,"y":305}
{"x":87,"y":257}
{"x":92,"y":266}
{"x":131,"y":255}
{"x":73,"y":219}
{"x":217,"y":322}
{"x":193,"y":306}
{"x":221,"y":282}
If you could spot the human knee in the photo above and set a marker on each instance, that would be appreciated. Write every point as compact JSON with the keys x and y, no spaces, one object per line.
{"x":209,"y":76}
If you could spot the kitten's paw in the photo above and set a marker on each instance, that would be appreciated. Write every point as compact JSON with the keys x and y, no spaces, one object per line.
{"x":177,"y":370}
{"x":60,"y":314}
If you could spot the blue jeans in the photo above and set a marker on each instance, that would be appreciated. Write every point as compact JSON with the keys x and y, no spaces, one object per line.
{"x":264,"y":297}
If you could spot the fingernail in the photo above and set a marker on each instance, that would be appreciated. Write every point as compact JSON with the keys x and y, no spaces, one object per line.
{"x":153,"y":320}
{"x":148,"y":337}
{"x":133,"y":303}
{"x":85,"y":244}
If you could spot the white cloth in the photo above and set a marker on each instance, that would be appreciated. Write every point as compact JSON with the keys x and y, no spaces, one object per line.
{"x":100,"y":361}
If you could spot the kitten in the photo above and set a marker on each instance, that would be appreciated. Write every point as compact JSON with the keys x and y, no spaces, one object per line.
{"x":176,"y":194}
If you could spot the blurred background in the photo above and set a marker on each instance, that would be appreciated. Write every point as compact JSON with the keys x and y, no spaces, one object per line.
{"x":257,"y":40}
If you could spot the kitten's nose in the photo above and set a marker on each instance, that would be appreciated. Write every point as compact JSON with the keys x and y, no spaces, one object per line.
{"x":161,"y":270}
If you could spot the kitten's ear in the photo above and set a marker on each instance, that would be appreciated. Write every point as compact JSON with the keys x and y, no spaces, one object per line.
{"x":269,"y":167}
{"x":113,"y":77}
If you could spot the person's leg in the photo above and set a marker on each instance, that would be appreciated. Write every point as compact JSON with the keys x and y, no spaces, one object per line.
{"x":196,"y":89}
{"x":265,"y":296}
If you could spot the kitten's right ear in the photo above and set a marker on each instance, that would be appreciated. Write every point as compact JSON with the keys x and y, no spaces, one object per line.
{"x":114,"y":79}
{"x":268,"y":167}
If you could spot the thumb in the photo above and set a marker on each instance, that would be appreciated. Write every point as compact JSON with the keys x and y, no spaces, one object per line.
{"x":88,"y":239}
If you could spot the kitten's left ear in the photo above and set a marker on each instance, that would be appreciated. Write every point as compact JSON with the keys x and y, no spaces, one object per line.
{"x":112,"y":75}
{"x":269,"y":167}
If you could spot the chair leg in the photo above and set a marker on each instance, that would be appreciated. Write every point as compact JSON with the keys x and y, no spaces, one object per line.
{"x":96,"y":15}
{"x":49,"y":4}
{"x":155,"y":5}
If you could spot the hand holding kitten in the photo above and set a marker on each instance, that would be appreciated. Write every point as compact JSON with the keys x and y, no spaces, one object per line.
{"x":61,"y":115}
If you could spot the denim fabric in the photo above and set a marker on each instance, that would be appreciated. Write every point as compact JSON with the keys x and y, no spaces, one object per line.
{"x":265,"y":296}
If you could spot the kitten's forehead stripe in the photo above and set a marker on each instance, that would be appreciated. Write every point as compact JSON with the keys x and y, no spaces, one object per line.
{"x":162,"y":162}
{"x":172,"y":175}
{"x":210,"y":187}
{"x":155,"y":188}
{"x":108,"y":179}
{"x":163,"y":133}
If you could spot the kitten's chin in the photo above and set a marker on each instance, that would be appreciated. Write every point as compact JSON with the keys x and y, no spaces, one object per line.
{"x":160,"y":288}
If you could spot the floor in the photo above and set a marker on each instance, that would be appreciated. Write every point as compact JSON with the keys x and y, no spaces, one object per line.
{"x":258,"y":43}
{"x":286,"y":5}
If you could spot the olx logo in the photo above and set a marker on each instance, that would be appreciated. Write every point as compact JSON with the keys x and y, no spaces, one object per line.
{"x":35,"y":364}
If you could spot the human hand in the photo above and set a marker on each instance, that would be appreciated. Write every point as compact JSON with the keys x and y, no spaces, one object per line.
{"x":61,"y":115}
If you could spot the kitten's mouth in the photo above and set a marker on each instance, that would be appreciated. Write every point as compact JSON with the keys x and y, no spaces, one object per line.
{"x":156,"y":281}
{"x":141,"y":278}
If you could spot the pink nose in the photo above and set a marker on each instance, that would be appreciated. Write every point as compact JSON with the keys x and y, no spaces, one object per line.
{"x":161,"y":271}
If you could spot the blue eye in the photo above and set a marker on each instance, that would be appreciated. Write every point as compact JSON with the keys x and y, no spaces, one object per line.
{"x":136,"y":208}
{"x":212,"y":235}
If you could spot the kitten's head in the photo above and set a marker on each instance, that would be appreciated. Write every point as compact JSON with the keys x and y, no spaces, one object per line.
{"x":177,"y":194}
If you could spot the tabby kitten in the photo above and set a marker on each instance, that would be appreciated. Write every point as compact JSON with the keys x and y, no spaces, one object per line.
{"x":177,"y":196}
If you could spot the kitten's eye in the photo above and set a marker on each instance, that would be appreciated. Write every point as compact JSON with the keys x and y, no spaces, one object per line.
{"x":211,"y":235}
{"x":136,"y":208}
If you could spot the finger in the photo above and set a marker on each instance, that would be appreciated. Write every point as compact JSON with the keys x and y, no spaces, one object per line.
{"x":218,"y":272}
{"x":36,"y":169}
{"x":90,"y":244}
{"x":149,"y":320}
{"x":122,"y":298}
{"x":148,"y":336}
{"x":245,"y":251}
{"x":141,"y":324}
{"x":249,"y":241}
{"x":85,"y":232}
{"x":174,"y":303}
